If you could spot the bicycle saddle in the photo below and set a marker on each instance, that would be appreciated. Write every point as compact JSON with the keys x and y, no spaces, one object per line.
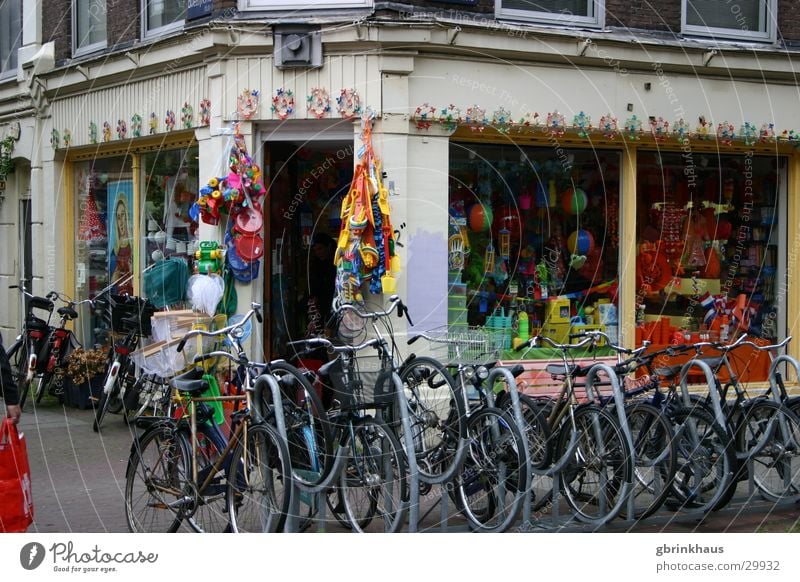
{"x":668,"y":372}
{"x":713,"y":363}
{"x":559,"y":370}
{"x":325,"y":369}
{"x":67,"y":312}
{"x":190,"y":382}
{"x":41,"y":303}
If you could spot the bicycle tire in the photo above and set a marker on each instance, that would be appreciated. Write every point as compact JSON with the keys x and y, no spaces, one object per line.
{"x":259,"y":481}
{"x":601,"y":445}
{"x":308,"y":429}
{"x":769,"y":438}
{"x":491,"y":485}
{"x":656,"y":459}
{"x":18,"y":358}
{"x":704,"y":476}
{"x":438,"y":419}
{"x":44,"y":382}
{"x":373,"y":482}
{"x":109,"y":400}
{"x":159,"y":464}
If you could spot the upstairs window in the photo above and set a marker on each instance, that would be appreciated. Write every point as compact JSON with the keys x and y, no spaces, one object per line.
{"x":572,"y":12}
{"x":10,"y":36}
{"x":89,"y":25}
{"x":730,"y":19}
{"x":299,"y":4}
{"x":162,"y":16}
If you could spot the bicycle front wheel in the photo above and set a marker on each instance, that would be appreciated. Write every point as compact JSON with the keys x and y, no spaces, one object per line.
{"x":259,"y":481}
{"x":156,"y":480}
{"x":769,"y":439}
{"x":490,"y":488}
{"x":597,"y":477}
{"x":374,"y":482}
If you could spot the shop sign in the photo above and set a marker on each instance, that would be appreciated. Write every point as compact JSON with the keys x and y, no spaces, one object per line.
{"x":198,"y":9}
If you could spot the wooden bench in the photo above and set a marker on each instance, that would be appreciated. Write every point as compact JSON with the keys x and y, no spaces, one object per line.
{"x":535,"y":381}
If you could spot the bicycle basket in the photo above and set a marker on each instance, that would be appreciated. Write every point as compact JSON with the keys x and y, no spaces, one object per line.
{"x":128,"y":313}
{"x":475,"y":345}
{"x":364,"y":383}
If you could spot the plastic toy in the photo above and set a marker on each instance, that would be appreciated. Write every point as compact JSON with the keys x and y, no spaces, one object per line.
{"x":209,"y":257}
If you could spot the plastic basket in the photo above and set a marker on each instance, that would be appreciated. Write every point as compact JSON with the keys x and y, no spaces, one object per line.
{"x":164,"y":359}
{"x":473,"y":345}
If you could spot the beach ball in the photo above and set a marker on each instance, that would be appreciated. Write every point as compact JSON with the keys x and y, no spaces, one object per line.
{"x":574,"y":201}
{"x":480,"y":217}
{"x":580,"y":242}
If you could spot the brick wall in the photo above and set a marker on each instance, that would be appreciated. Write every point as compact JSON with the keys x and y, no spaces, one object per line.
{"x":789,"y":21}
{"x":124,"y":22}
{"x":663,"y":15}
{"x":57,"y":27}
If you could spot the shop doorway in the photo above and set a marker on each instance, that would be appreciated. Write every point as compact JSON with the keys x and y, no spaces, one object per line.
{"x":308,"y":181}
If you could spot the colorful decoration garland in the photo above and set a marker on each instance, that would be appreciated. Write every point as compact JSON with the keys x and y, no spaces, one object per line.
{"x":501,"y":120}
{"x":450,"y":117}
{"x":153,"y":123}
{"x":319,"y":102}
{"x":169,"y":120}
{"x":608,"y":125}
{"x":205,"y":112}
{"x":187,"y":115}
{"x":106,"y":132}
{"x":660,"y":128}
{"x":283,"y":103}
{"x":92,"y":132}
{"x":424,"y":116}
{"x":475,"y":117}
{"x":247,"y":103}
{"x":122,"y":129}
{"x":67,"y":138}
{"x":348,"y":103}
{"x":136,"y":125}
{"x":556,"y":125}
{"x":55,"y":139}
{"x":582,"y":123}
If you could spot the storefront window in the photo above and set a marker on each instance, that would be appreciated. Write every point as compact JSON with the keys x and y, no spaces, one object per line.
{"x":710,"y":236}
{"x":104,"y":238}
{"x":170,"y":181}
{"x":533,"y":243}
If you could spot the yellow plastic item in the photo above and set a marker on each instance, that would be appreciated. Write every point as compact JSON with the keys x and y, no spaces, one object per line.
{"x":389,"y":284}
{"x":395,"y":265}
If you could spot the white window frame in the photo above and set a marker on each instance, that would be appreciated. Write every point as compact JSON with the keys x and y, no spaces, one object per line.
{"x":596,"y":20}
{"x":768,"y":35}
{"x":161,"y":30}
{"x":12,"y":73}
{"x":89,"y":48}
{"x":274,"y":5}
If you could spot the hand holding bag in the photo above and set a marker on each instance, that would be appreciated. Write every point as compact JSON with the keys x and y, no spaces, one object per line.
{"x":16,"y":499}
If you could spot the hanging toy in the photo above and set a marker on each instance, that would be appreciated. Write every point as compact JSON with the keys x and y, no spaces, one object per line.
{"x":505,"y":242}
{"x":209,"y":257}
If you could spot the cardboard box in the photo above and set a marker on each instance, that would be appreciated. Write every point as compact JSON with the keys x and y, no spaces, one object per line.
{"x":558,"y":332}
{"x":557,"y":311}
{"x":581,"y":328}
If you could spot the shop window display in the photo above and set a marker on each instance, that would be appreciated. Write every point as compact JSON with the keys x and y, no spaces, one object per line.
{"x":103,"y":242}
{"x":709,"y":234}
{"x":533,"y":243}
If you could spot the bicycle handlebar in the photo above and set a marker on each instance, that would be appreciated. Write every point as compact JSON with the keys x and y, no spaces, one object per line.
{"x":440,"y":340}
{"x":534,"y":341}
{"x":255,"y":308}
{"x":397,"y":303}
{"x":322,"y":342}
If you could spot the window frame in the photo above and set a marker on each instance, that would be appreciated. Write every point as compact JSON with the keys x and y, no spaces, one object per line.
{"x":11,"y":73}
{"x":148,"y":33}
{"x":89,"y":48}
{"x":768,"y":35}
{"x":278,"y":5}
{"x":596,"y":20}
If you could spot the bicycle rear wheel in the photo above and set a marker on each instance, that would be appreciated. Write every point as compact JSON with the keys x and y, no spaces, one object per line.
{"x":596,"y":481}
{"x":704,"y":474}
{"x":437,"y":415}
{"x":259,"y":481}
{"x":491,"y":486}
{"x":18,"y":357}
{"x":656,"y":459}
{"x":769,"y":439}
{"x":373,"y":483}
{"x":156,"y":479}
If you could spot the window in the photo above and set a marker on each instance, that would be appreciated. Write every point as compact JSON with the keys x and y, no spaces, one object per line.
{"x":89,"y":25}
{"x":296,"y":4}
{"x":161,"y":16}
{"x":586,"y":12}
{"x":533,"y":245}
{"x":742,"y":19}
{"x":10,"y":35}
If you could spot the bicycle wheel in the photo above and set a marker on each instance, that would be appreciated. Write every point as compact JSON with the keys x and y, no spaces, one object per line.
{"x":437,"y":415}
{"x":491,"y":485}
{"x":156,"y":480}
{"x":43,"y":385}
{"x":706,"y":461}
{"x":656,"y":459}
{"x":259,"y":481}
{"x":18,"y":358}
{"x":768,"y":437}
{"x":210,"y":512}
{"x":373,"y":482}
{"x":110,"y":400}
{"x":307,"y":426}
{"x":596,"y":480}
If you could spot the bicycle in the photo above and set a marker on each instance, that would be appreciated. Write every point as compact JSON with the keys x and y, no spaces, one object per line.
{"x":588,"y":451}
{"x":185,"y":470}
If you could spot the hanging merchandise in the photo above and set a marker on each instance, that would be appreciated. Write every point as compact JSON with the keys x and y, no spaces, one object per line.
{"x":165,"y":282}
{"x":230,"y":299}
{"x":209,"y":257}
{"x":366,"y":245}
{"x":91,"y":227}
{"x":205,"y":292}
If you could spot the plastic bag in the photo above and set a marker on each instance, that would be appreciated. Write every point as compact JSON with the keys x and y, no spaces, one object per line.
{"x":205,"y":292}
{"x":16,"y":499}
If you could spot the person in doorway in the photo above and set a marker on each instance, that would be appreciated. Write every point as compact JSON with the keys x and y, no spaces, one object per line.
{"x":321,"y":282}
{"x":8,"y":387}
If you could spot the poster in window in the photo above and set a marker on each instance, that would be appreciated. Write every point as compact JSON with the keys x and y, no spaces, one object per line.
{"x":120,"y":239}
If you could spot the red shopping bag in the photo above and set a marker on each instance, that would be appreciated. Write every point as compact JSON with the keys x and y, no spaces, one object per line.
{"x":16,"y":500}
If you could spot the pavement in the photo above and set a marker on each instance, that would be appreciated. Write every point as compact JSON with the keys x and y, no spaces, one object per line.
{"x":79,"y":483}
